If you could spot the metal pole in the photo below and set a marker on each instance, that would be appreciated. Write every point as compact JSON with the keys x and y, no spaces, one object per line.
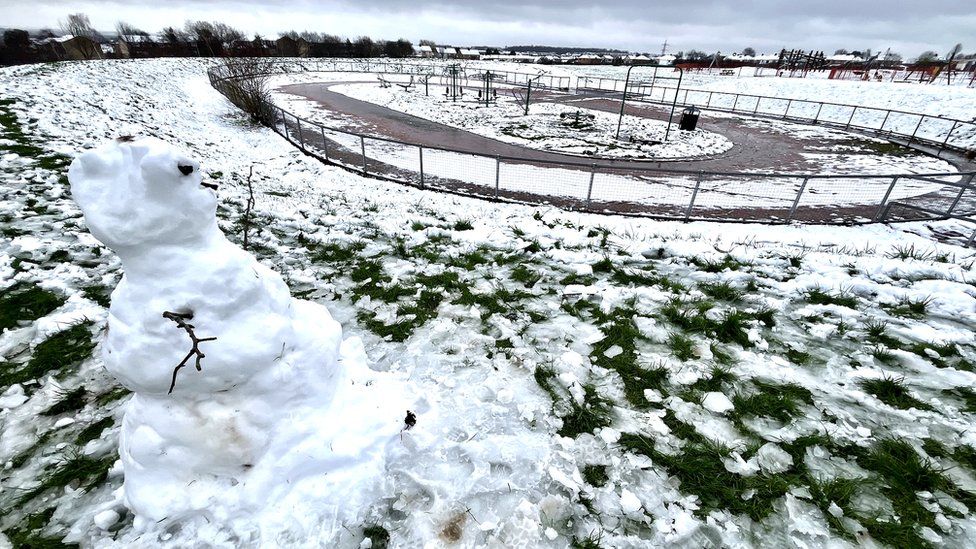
{"x":755,"y":110}
{"x":885,"y":121}
{"x":884,"y":199}
{"x":284,"y":123}
{"x":528,"y":93}
{"x":735,"y":102}
{"x":498,"y":174}
{"x":962,"y":191}
{"x":796,"y":201}
{"x":848,"y":125}
{"x":694,"y":195}
{"x":667,"y":131}
{"x":917,"y":126}
{"x":362,"y":149}
{"x":301,"y":135}
{"x":946,"y":140}
{"x":325,"y":144}
{"x":817,"y":117}
{"x":972,"y":237}
{"x":421,"y":167}
{"x":788,"y":105}
{"x":589,"y":191}
{"x":623,"y":100}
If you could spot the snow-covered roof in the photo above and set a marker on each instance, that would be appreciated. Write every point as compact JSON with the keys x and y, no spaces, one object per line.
{"x":426,"y":49}
{"x":843,"y":57}
{"x":638,"y":58}
{"x":470,"y":52}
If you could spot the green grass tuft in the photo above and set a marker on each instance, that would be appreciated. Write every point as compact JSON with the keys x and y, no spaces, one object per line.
{"x":26,"y":303}
{"x":892,"y":391}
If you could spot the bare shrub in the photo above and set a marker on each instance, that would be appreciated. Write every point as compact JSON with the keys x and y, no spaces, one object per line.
{"x":245,"y":84}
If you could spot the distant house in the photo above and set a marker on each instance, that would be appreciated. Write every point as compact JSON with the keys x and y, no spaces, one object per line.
{"x":75,"y":48}
{"x":588,"y":59}
{"x":131,"y":46}
{"x":426,"y":51}
{"x":469,"y":54}
{"x":665,"y":59}
{"x":286,"y":46}
{"x":637,"y":60}
{"x":448,"y":52}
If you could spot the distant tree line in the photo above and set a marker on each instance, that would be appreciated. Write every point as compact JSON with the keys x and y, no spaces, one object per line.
{"x":193,"y":39}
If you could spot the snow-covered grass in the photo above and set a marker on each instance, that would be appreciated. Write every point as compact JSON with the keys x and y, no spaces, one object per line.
{"x":600,"y":381}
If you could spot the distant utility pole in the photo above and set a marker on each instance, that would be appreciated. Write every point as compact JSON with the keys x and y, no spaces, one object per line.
{"x":664,"y":47}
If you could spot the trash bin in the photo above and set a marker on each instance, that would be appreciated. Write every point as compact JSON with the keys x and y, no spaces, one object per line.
{"x":689,"y":119}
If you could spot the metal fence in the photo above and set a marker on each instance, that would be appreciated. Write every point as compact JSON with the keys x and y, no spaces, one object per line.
{"x":936,"y":131}
{"x":580,"y":184}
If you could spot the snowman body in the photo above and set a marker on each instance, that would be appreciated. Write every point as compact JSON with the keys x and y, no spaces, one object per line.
{"x":281,"y":406}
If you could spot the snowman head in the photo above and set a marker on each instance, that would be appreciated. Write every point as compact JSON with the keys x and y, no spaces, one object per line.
{"x":139,"y":192}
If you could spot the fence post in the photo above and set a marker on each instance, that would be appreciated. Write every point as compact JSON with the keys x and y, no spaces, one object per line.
{"x":421,"y":167}
{"x":946,"y":140}
{"x":755,"y":110}
{"x":788,"y":105}
{"x":325,"y":144}
{"x":962,"y":191}
{"x":884,"y":199}
{"x":589,"y":190}
{"x":301,"y":135}
{"x":498,"y":173}
{"x":362,"y":149}
{"x":694,"y":195}
{"x":817,"y":117}
{"x":885,"y":121}
{"x":848,"y":125}
{"x":735,"y":102}
{"x":972,"y":237}
{"x":921,"y":117}
{"x":796,"y":201}
{"x":284,"y":123}
{"x":709,"y":102}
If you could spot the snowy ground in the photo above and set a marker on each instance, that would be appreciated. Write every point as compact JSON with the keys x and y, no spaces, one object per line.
{"x":548,"y":126}
{"x":603,"y":382}
{"x":938,"y":100}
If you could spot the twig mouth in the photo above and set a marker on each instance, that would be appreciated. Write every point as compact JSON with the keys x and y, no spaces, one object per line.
{"x":209,"y":185}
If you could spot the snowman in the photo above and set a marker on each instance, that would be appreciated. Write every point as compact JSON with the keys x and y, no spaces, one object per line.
{"x":246,"y":400}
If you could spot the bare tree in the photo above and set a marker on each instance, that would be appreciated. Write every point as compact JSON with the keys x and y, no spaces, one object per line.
{"x":124,"y":29}
{"x":927,"y":57}
{"x":78,"y":25}
{"x":749,"y":52}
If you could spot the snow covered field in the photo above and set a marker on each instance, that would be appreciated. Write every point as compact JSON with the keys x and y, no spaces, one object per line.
{"x":937,"y":100}
{"x":593,"y":381}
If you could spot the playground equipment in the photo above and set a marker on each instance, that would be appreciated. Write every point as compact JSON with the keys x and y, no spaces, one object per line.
{"x":523,"y":100}
{"x":488,"y":94}
{"x":674,"y":102}
{"x":455,"y":89}
{"x":799,"y":61}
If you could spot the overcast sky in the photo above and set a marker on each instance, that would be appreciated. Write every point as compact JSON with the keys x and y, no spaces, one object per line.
{"x":905,"y":26}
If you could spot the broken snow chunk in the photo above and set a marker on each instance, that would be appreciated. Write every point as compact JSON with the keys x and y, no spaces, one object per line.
{"x":773,"y":459}
{"x":13,"y":397}
{"x":629,"y":502}
{"x":932,"y":353}
{"x":835,"y":510}
{"x":614,"y":351}
{"x":106,"y":519}
{"x":735,"y":464}
{"x":717,"y":402}
{"x":551,"y":534}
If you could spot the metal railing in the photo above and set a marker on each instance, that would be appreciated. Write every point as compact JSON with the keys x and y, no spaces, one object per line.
{"x":602,"y":187}
{"x":939,"y":132}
